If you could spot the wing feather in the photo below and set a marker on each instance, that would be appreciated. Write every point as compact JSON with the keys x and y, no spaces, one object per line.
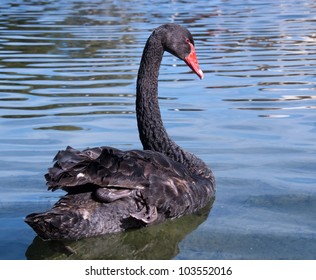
{"x":157,"y":183}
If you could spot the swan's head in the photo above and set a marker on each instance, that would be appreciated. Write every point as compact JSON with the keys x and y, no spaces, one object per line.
{"x":178,"y":41}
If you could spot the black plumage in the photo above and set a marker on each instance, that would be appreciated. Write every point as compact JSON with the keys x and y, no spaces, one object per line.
{"x":109,"y":190}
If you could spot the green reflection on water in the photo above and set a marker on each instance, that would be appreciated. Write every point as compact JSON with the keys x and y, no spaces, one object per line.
{"x":60,"y":127}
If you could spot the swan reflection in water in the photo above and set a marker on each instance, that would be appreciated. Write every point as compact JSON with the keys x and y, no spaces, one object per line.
{"x":155,"y":242}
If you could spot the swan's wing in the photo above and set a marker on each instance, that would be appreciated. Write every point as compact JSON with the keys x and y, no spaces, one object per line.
{"x":109,"y":167}
{"x":101,"y":167}
{"x":161,"y":187}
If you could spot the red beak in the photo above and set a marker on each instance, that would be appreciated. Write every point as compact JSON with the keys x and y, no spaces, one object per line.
{"x":192,"y":62}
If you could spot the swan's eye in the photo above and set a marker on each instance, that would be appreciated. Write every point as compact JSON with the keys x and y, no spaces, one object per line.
{"x":189,"y":42}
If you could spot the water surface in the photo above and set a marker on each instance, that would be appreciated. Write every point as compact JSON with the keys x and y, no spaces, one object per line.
{"x":67,"y":77}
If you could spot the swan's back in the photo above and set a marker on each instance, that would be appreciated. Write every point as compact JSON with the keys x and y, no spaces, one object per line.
{"x":110,"y":190}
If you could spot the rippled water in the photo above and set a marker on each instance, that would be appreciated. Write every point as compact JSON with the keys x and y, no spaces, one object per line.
{"x":67,"y":77}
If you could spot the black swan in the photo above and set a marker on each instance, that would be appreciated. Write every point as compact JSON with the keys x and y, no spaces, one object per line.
{"x":109,"y":190}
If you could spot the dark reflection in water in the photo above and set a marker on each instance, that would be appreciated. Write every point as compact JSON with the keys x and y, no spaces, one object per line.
{"x":151,"y":243}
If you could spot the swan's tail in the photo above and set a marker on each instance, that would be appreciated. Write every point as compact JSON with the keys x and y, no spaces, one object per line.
{"x":77,"y":216}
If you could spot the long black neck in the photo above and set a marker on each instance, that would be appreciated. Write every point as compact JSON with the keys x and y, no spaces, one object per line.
{"x":150,"y":126}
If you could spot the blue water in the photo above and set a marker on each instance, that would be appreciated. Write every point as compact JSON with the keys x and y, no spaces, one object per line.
{"x":67,"y":77}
